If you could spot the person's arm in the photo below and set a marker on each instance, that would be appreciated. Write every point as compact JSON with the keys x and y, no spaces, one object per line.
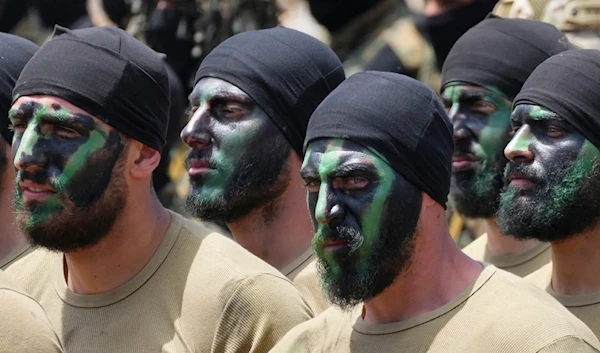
{"x":262,"y":309}
{"x":25,"y":327}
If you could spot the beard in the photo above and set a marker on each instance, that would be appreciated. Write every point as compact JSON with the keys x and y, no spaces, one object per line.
{"x":3,"y":163}
{"x":476,"y":193}
{"x":83,"y":218}
{"x":259,"y":178}
{"x":563,"y":203}
{"x":351,"y":277}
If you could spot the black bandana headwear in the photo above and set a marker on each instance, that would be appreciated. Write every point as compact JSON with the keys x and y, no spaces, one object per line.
{"x":567,"y":84}
{"x":413,"y":133}
{"x":286,"y":72}
{"x":15,"y":52}
{"x":501,"y":53}
{"x":107,"y":73}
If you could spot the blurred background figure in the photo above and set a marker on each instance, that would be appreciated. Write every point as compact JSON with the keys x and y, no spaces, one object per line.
{"x":578,"y":19}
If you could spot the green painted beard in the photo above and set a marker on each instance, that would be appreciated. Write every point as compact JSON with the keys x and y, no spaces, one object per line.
{"x":378,"y":225}
{"x":566,"y":203}
{"x":256,"y":179}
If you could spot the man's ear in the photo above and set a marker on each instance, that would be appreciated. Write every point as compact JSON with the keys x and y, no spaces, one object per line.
{"x":145,"y":160}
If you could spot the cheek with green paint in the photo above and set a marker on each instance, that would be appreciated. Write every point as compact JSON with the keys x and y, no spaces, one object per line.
{"x":481,"y":119}
{"x":68,"y":155}
{"x":231,"y":124}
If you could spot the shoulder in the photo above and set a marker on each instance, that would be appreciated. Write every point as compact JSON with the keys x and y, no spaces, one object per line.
{"x":541,"y":277}
{"x":28,"y":329}
{"x":308,"y":283}
{"x":34,"y":271}
{"x":527,"y":313}
{"x":476,"y":249}
{"x":313,"y":333}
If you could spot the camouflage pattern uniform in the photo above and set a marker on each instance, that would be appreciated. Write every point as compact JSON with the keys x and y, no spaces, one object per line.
{"x":388,"y":23}
{"x":578,"y":19}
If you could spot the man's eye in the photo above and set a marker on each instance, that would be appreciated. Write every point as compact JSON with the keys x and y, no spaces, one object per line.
{"x":233,"y":111}
{"x":484,"y":107}
{"x":356,"y":183}
{"x":554,"y":131}
{"x":66,"y":132}
{"x":312,"y":185}
{"x":17,"y":128}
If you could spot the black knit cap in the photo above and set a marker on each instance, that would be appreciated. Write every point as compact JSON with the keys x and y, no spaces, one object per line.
{"x":567,"y":84}
{"x":396,"y":116}
{"x":286,"y":72}
{"x":501,"y":53}
{"x":109,"y":74}
{"x":15,"y":52}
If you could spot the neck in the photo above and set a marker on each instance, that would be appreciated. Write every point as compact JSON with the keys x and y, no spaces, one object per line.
{"x":285,"y":235}
{"x":123,"y":253}
{"x":575,"y":264}
{"x":500,"y":244}
{"x":11,"y":237}
{"x":447,"y":270}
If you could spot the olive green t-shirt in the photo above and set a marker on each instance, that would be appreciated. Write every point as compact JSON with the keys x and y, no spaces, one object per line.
{"x":520,"y":265}
{"x":303,"y":273}
{"x":585,"y":307}
{"x":200,"y":292}
{"x":24,"y":327}
{"x":499,"y":313}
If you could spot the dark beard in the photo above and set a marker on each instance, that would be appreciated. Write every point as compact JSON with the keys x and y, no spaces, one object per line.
{"x":562,"y":206}
{"x":259,"y":178}
{"x":357,"y":281}
{"x":85,"y":220}
{"x":476,"y":193}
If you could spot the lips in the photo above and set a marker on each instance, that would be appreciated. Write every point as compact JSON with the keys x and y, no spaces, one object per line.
{"x":198,"y":166}
{"x":464,"y":161}
{"x":35,"y":192}
{"x":334,"y":245}
{"x":519,"y":180}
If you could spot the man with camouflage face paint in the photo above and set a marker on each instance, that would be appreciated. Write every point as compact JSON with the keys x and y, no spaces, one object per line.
{"x":14,"y":54}
{"x":90,"y":116}
{"x":483,"y":73}
{"x":378,"y":172}
{"x":553,"y":178}
{"x":253,"y":97}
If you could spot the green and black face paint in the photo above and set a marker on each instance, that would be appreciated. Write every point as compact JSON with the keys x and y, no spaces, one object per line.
{"x":238,"y":161}
{"x":70,"y":186}
{"x":365,"y":215}
{"x":553,"y":178}
{"x":481,"y":119}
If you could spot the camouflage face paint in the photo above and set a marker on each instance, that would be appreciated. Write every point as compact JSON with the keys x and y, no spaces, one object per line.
{"x":238,"y":157}
{"x":481,"y":118}
{"x":365,"y":217}
{"x":553,"y":178}
{"x":65,"y":161}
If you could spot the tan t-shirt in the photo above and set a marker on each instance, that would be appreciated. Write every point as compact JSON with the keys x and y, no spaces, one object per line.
{"x":200,"y":292}
{"x":16,"y":254}
{"x":585,"y":307}
{"x":24,"y":327}
{"x":499,"y":313}
{"x":303,"y":273}
{"x":520,"y":265}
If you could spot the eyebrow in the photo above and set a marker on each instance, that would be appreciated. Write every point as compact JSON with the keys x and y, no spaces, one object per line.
{"x":345,"y":170}
{"x":222,"y":94}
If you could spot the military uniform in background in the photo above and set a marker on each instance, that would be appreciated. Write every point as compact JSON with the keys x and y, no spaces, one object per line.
{"x":578,"y":19}
{"x":385,"y":38}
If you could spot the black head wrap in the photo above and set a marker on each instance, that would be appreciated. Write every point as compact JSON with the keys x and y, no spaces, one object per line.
{"x":336,"y":14}
{"x":501,"y":53}
{"x":15,"y":52}
{"x":287,"y":73}
{"x":567,"y":84}
{"x":396,"y":116}
{"x":107,"y":73}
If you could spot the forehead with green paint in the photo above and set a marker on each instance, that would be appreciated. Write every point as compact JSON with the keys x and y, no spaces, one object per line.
{"x":59,"y":148}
